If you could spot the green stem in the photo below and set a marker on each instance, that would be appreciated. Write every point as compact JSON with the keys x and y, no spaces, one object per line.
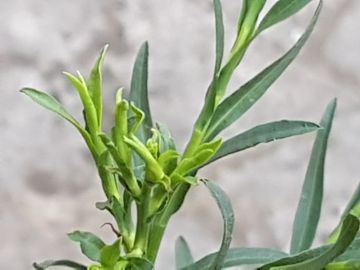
{"x":143,"y":226}
{"x":160,"y":223}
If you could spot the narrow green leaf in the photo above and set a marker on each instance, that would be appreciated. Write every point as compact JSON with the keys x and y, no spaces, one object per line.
{"x":187,"y":165}
{"x":262,"y":134}
{"x":167,"y":142}
{"x":322,"y":256}
{"x":50,"y":103}
{"x":227,"y":213}
{"x":309,"y":208}
{"x":90,"y":244}
{"x":345,"y":265}
{"x":110,"y":254}
{"x":90,"y":115}
{"x":352,"y":252}
{"x":354,"y":201}
{"x":139,"y":90}
{"x":95,"y":86}
{"x":67,"y":263}
{"x":282,"y":10}
{"x":244,"y":98}
{"x":183,"y":256}
{"x":239,"y":257}
{"x":219,"y":29}
{"x":140,"y":264}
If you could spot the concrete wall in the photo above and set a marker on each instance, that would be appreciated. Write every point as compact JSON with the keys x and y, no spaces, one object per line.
{"x":48,"y":184}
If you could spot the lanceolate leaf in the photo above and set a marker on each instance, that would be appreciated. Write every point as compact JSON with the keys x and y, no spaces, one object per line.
{"x":244,"y":98}
{"x":50,"y":103}
{"x":352,"y":252}
{"x":309,"y":208}
{"x":139,"y":89}
{"x":319,"y":258}
{"x":227,"y":213}
{"x":262,"y":134}
{"x":95,"y":85}
{"x":66,"y":263}
{"x":183,"y":255}
{"x":219,"y":26}
{"x":345,"y":265}
{"x":354,"y":201}
{"x":239,"y":257}
{"x":90,"y":244}
{"x":282,"y":10}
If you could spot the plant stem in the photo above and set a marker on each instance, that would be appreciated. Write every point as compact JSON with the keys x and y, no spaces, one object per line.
{"x":160,"y":223}
{"x":143,"y":226}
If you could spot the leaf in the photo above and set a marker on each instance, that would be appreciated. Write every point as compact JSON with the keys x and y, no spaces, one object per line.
{"x":183,"y":255}
{"x":50,"y":103}
{"x":89,"y":107}
{"x":90,"y":244}
{"x":219,"y":27}
{"x":140,"y":264}
{"x":110,"y":254}
{"x":227,"y":213}
{"x":166,"y":140}
{"x":168,"y":161}
{"x":319,"y":259}
{"x":354,"y":201}
{"x":238,"y":257}
{"x":282,"y":10}
{"x":352,"y":252}
{"x":262,"y":134}
{"x":345,"y":265}
{"x":95,"y":86}
{"x":187,"y":165}
{"x":246,"y":96}
{"x":309,"y":208}
{"x":139,"y":90}
{"x":67,"y":263}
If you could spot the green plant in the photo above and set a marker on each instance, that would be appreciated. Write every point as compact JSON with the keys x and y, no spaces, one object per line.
{"x":139,"y":164}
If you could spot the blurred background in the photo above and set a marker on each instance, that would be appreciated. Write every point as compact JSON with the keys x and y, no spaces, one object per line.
{"x":48,"y":184}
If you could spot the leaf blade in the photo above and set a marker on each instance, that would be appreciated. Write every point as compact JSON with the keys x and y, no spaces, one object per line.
{"x":227,"y":213}
{"x":183,"y":256}
{"x":95,"y":86}
{"x":262,"y":134}
{"x":320,"y":257}
{"x":219,"y":33}
{"x":280,"y":11}
{"x":49,"y":102}
{"x":246,"y":96}
{"x":239,"y":257}
{"x":309,"y":207}
{"x":67,"y":263}
{"x":90,"y":244}
{"x":139,"y":89}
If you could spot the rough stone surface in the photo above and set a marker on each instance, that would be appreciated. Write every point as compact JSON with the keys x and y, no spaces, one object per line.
{"x":48,"y":184}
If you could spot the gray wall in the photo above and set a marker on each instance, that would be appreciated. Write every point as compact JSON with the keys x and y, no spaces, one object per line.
{"x":48,"y":184}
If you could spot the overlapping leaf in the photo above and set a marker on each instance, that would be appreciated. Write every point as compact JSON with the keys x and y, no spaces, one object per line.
{"x":282,"y":10}
{"x":309,"y":208}
{"x":183,"y":256}
{"x":90,"y":244}
{"x":245,"y":97}
{"x":318,"y":258}
{"x":239,"y":257}
{"x":66,"y":263}
{"x":262,"y":134}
